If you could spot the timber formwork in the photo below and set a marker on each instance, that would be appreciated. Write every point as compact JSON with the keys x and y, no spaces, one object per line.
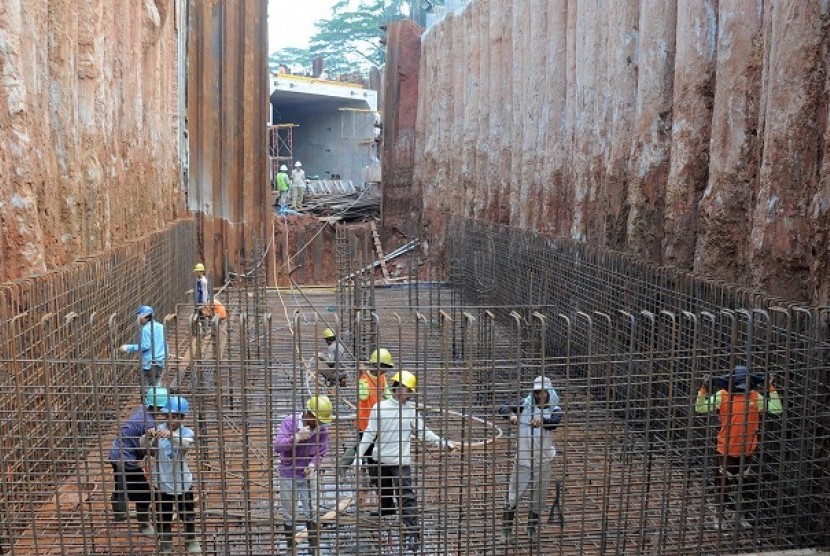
{"x":625,"y":346}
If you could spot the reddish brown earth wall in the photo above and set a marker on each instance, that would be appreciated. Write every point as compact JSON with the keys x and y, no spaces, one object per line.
{"x":691,"y":133}
{"x":89,"y":141}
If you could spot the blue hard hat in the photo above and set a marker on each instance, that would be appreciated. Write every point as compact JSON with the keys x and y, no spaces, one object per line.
{"x":176,"y":404}
{"x":156,"y":396}
{"x":143,"y":311}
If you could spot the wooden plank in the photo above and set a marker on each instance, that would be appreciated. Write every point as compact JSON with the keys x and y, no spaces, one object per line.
{"x":379,"y":249}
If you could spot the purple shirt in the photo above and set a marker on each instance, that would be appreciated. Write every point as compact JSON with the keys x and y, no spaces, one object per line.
{"x":295,"y":457}
{"x":127,"y":445}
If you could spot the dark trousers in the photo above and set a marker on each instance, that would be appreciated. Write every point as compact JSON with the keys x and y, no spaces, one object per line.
{"x":394,"y":484}
{"x":131,"y":486}
{"x":734,"y":481}
{"x":168,"y":505}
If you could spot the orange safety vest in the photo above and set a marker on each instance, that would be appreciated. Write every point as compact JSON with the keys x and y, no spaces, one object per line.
{"x":739,"y":418}
{"x":364,"y":407}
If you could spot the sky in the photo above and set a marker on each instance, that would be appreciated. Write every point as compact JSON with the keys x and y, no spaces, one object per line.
{"x":291,"y":22}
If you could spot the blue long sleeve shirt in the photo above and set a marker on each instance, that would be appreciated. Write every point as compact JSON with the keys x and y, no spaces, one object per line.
{"x":126,"y":447}
{"x":152,"y":346}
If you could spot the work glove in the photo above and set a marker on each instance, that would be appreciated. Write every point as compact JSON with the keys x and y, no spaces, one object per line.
{"x":302,"y":434}
{"x":309,"y":471}
{"x":513,"y":419}
{"x":123,"y":348}
{"x":452,"y":445}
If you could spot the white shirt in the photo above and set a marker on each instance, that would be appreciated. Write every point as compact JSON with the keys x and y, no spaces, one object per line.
{"x":335,"y":352}
{"x":298,"y":177}
{"x":398,"y":423}
{"x":171,"y":473}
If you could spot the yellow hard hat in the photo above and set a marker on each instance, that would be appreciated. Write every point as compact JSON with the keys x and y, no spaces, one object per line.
{"x":407,"y":379}
{"x":320,"y":407}
{"x":328,"y":334}
{"x":382,"y":357}
{"x":199,"y":267}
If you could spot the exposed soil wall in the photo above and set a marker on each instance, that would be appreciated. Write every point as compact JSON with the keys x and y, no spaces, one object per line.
{"x":88,"y":113}
{"x":691,"y":133}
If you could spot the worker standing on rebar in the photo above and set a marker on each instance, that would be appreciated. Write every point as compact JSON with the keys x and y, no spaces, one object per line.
{"x":371,"y":386}
{"x":537,"y":416}
{"x":739,"y":406}
{"x":332,"y":359}
{"x":390,"y":427}
{"x":201,"y":296}
{"x":282,"y":184}
{"x":170,"y":442}
{"x":301,"y":444}
{"x":152,"y":345}
{"x":297,"y":186}
{"x":127,"y":459}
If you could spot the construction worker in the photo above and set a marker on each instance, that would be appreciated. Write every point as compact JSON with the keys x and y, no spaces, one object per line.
{"x":301,"y":443}
{"x":537,"y":416}
{"x":201,"y":295}
{"x":169,"y":442}
{"x":390,"y":427}
{"x":282,"y":184}
{"x":126,"y":457}
{"x":297,"y":185}
{"x":739,"y":406}
{"x":332,"y":359}
{"x":152,"y":345}
{"x":370,"y":387}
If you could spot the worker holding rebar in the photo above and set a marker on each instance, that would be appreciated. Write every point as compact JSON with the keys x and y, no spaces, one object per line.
{"x":152,"y":346}
{"x":536,"y":416}
{"x":333,"y":359}
{"x":170,"y":442}
{"x":371,"y":387}
{"x":739,"y":406}
{"x":390,"y":427}
{"x":281,"y":185}
{"x":127,"y":456}
{"x":297,"y":185}
{"x":301,"y":444}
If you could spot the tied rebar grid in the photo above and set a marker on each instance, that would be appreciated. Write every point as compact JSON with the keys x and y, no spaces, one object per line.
{"x":634,"y":470}
{"x":62,"y":381}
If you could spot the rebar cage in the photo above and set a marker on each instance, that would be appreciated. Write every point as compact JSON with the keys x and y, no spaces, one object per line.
{"x":626,"y":347}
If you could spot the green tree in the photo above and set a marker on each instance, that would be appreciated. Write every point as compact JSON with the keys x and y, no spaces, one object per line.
{"x":352,"y":38}
{"x":288,"y":57}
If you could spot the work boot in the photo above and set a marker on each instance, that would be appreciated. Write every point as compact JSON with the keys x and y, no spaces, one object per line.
{"x":166,"y":543}
{"x":289,"y":536}
{"x":507,"y":518}
{"x":119,"y":507}
{"x":145,"y":528}
{"x":313,"y":534}
{"x":192,"y":542}
{"x":533,"y":527}
{"x":412,"y":543}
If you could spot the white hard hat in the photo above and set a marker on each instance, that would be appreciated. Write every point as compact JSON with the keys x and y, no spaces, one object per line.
{"x":283,"y":168}
{"x":298,"y":164}
{"x":542,"y":383}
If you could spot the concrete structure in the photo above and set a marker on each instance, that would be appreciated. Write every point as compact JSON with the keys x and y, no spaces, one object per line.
{"x":334,"y":133}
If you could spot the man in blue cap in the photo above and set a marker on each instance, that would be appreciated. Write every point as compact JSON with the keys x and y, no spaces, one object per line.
{"x":152,"y":345}
{"x":127,"y":458}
